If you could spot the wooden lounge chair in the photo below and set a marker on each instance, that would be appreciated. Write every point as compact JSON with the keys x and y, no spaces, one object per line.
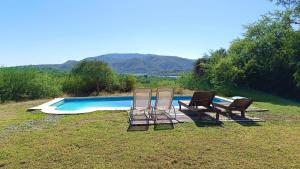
{"x":202,"y":101}
{"x":164,"y":108}
{"x":237,"y":105}
{"x":139,"y":113}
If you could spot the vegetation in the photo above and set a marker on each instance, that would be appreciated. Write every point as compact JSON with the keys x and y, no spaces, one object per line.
{"x":101,"y":140}
{"x":86,"y":78}
{"x":90,"y":76}
{"x":266,"y":58}
{"x":27,"y":83}
{"x":96,"y":76}
{"x":155,"y":82}
{"x":127,"y":83}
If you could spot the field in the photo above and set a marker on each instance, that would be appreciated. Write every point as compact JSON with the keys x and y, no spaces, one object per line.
{"x":101,"y":140}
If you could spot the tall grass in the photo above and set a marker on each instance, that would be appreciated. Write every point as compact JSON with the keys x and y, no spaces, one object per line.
{"x":27,"y":83}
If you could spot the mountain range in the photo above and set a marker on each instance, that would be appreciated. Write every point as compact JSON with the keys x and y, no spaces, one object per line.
{"x":134,"y":63}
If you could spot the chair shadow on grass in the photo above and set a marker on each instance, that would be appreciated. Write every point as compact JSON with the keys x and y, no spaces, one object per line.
{"x":208,"y":119}
{"x":244,"y":121}
{"x":139,"y":123}
{"x":132,"y":128}
{"x":202,"y":119}
{"x":163,"y":122}
{"x":158,"y":127}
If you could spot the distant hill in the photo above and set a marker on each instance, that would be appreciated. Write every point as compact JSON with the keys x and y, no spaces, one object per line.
{"x":135,"y":63}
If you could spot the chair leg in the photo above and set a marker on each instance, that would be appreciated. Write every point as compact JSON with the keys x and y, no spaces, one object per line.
{"x":180,"y":107}
{"x":218,"y":116}
{"x":243,"y":114}
{"x":230,"y":113}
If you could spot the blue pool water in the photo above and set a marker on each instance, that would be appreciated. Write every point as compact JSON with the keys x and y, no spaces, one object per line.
{"x":71,"y":104}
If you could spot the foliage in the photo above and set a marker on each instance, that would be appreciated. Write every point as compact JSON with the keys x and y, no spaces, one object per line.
{"x":155,"y":82}
{"x":192,"y":81}
{"x":95,"y":76}
{"x":27,"y":83}
{"x":95,"y":73}
{"x":127,"y":82}
{"x":78,"y":86}
{"x":266,"y":58}
{"x":293,"y":7}
{"x":199,"y":66}
{"x":21,"y":83}
{"x":223,"y":73}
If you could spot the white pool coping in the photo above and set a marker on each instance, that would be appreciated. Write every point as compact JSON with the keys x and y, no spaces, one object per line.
{"x":47,"y":108}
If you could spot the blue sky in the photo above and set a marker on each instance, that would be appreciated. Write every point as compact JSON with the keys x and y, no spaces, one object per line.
{"x":53,"y":31}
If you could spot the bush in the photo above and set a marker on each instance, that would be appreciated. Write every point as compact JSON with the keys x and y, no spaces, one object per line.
{"x":224,"y":73}
{"x":94,"y":76}
{"x":191,"y":81}
{"x":127,"y":83}
{"x":88,"y":77}
{"x":155,"y":82}
{"x":77,"y":86}
{"x":113,"y":83}
{"x":27,"y":83}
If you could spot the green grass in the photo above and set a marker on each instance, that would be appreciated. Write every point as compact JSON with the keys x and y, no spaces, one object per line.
{"x":101,"y":140}
{"x":15,"y":113}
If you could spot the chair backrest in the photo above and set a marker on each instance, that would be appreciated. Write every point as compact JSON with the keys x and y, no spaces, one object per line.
{"x":142,"y":98}
{"x":164,"y":98}
{"x":202,"y":98}
{"x":241,"y":104}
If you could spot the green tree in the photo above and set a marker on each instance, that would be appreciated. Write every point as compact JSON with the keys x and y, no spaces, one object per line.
{"x":267,"y":57}
{"x":293,"y":6}
{"x":199,"y":66}
{"x":95,"y":72}
{"x":127,"y":82}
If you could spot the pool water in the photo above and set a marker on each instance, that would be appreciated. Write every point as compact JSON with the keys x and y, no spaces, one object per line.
{"x":71,"y":104}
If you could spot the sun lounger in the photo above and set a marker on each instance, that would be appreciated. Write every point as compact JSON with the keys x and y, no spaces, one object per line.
{"x":164,"y":109}
{"x":237,"y":105}
{"x":202,"y":101}
{"x":141,"y":108}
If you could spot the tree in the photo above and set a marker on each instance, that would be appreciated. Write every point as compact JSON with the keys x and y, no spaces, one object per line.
{"x":293,"y":6}
{"x":267,"y":57}
{"x":96,"y":72}
{"x":199,"y":66}
{"x":127,"y":82}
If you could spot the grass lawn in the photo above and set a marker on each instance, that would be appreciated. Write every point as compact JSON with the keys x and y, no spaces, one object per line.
{"x":101,"y":140}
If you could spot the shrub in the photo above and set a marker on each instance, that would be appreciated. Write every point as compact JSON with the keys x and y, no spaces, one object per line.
{"x":77,"y":86}
{"x":89,"y":76}
{"x":113,"y":83}
{"x":127,"y":83}
{"x":155,"y":82}
{"x":191,"y":81}
{"x":27,"y":83}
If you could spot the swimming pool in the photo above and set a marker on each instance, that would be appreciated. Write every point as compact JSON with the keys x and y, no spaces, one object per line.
{"x":89,"y":104}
